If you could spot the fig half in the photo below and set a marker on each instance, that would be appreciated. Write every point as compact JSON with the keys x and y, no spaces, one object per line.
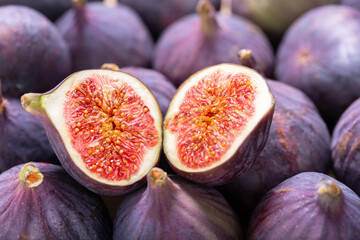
{"x":105,"y":127}
{"x":217,"y":123}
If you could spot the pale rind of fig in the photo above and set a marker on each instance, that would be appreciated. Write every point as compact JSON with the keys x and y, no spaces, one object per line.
{"x":49,"y":109}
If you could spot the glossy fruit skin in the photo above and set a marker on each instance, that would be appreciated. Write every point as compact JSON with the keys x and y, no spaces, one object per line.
{"x":22,"y":137}
{"x":291,"y":211}
{"x":97,"y":33}
{"x":275,"y":16}
{"x":59,"y":208}
{"x":158,"y":84}
{"x":33,"y":55}
{"x":298,"y":141}
{"x":178,"y":209}
{"x":351,"y":3}
{"x":160,"y":14}
{"x":344,"y":146}
{"x":323,"y":61}
{"x":184,"y":49}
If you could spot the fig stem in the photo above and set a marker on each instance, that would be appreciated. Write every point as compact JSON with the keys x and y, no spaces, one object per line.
{"x":206,"y":12}
{"x":79,"y":3}
{"x":156,"y":176}
{"x":329,"y":196}
{"x":31,"y":102}
{"x":247,"y":59}
{"x":110,"y":3}
{"x":226,"y":7}
{"x":31,"y":175}
{"x":110,"y":66}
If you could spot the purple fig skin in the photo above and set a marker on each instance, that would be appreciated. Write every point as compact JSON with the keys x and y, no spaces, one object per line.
{"x":158,"y":84}
{"x":97,"y":33}
{"x":302,"y":207}
{"x":171,"y":207}
{"x":351,"y":3}
{"x":345,"y":147}
{"x":160,"y":14}
{"x":184,"y":48}
{"x":275,"y":16}
{"x":298,"y":141}
{"x":58,"y":208}
{"x":323,"y":60}
{"x":33,"y":55}
{"x":22,"y":137}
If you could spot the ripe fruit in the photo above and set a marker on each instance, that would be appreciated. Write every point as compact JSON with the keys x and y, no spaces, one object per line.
{"x":172,"y":208}
{"x":33,"y":54}
{"x":98,"y":32}
{"x":205,"y":39}
{"x":323,"y":60}
{"x":217,"y":123}
{"x":307,"y":206}
{"x":105,"y":127}
{"x":345,"y":147}
{"x":41,"y":201}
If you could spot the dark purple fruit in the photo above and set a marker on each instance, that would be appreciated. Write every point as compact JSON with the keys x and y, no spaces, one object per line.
{"x":345,"y":147}
{"x":218,"y":123}
{"x":172,"y":208}
{"x":22,"y":137}
{"x":205,"y":39}
{"x":307,"y":206}
{"x":158,"y":84}
{"x":160,"y":14}
{"x":100,"y":32}
{"x":33,"y":55}
{"x":41,"y":201}
{"x":351,"y":3}
{"x":320,"y":55}
{"x":104,"y":126}
{"x":275,"y":16}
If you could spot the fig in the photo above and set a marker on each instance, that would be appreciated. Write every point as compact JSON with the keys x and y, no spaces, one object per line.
{"x":298,"y":141}
{"x":323,"y":60}
{"x":217,"y":123}
{"x":98,"y":32}
{"x":171,"y":207}
{"x":345,"y":147}
{"x":33,"y":54}
{"x":41,"y":201}
{"x":105,"y":128}
{"x":208,"y":38}
{"x":274,"y":17}
{"x":351,"y":3}
{"x":160,"y":14}
{"x":22,"y":137}
{"x":158,"y":84}
{"x":309,"y":205}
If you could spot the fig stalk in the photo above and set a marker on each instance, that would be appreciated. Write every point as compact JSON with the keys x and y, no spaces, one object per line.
{"x":31,"y":102}
{"x":247,"y":59}
{"x":329,"y":196}
{"x":110,"y":3}
{"x":226,"y":7}
{"x":31,"y":175}
{"x":79,"y":3}
{"x":206,"y":12}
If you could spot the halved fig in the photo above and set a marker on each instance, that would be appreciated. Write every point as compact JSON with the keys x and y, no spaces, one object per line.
{"x":217,"y":123}
{"x":105,"y":127}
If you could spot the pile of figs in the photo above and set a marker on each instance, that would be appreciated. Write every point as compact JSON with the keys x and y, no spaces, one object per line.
{"x":174,"y":119}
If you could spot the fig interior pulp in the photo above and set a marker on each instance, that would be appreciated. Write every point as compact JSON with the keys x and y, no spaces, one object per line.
{"x":108,"y":123}
{"x":213,"y":114}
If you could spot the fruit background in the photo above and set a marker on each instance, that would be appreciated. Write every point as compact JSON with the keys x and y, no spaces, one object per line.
{"x":303,"y":183}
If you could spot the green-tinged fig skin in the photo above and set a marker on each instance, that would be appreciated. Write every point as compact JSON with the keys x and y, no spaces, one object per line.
{"x":22,"y":137}
{"x":184,"y":49}
{"x":275,"y":16}
{"x":292,"y":211}
{"x":158,"y":84}
{"x":69,"y":165}
{"x":160,"y":14}
{"x":345,"y":147}
{"x":59,"y":208}
{"x":97,"y":33}
{"x":176,"y":209}
{"x":33,"y":55}
{"x":298,"y":141}
{"x":239,"y":163}
{"x":323,"y":60}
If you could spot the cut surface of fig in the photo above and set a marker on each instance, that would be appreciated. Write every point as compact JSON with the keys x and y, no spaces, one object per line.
{"x":109,"y":124}
{"x":212,"y":114}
